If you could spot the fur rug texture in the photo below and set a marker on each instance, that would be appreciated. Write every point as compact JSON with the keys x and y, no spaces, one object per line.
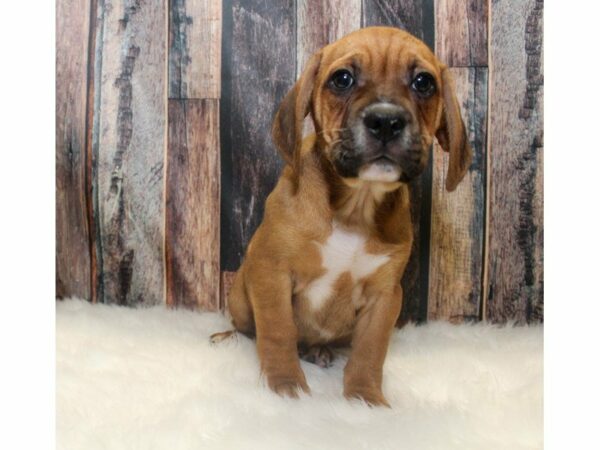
{"x":150,"y":379}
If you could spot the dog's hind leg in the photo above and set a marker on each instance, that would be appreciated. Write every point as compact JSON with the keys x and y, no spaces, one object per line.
{"x":239,"y":306}
{"x":321,"y":355}
{"x":240,"y":311}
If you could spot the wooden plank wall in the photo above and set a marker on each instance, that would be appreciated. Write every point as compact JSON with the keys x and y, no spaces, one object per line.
{"x":164,"y":157}
{"x":514,"y":283}
{"x":129,"y":136}
{"x":259,"y":42}
{"x":193,"y":154}
{"x":72,"y":229}
{"x":457,"y":218}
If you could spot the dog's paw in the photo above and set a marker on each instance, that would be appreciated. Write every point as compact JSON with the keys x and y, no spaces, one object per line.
{"x":372,"y":396}
{"x":321,"y":355}
{"x":288,"y":386}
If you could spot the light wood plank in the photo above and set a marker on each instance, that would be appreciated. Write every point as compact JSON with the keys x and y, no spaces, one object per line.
{"x":195,"y":48}
{"x":72,"y":230}
{"x":193,"y":204}
{"x":515,"y":284}
{"x":461,"y":32}
{"x":129,"y":151}
{"x":457,"y":218}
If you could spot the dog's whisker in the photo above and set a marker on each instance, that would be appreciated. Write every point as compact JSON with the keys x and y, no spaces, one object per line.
{"x":332,"y":130}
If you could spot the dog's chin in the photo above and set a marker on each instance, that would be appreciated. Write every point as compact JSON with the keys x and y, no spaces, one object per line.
{"x":384,"y":171}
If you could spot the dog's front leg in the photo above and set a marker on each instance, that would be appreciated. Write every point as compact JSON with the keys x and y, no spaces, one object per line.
{"x":276,"y":332}
{"x":363,"y":372}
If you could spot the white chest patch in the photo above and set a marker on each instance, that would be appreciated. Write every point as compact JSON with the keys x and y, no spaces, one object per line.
{"x":344,"y":251}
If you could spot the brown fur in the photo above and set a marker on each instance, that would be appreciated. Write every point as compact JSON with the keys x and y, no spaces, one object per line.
{"x":283,"y":258}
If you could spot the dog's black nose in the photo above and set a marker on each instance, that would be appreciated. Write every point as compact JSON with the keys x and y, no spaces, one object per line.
{"x":385,"y":121}
{"x":384,"y":126}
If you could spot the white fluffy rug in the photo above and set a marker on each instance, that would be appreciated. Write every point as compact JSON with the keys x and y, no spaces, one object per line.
{"x":149,"y":379}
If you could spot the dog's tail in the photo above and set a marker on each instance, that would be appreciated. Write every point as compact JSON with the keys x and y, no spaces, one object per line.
{"x":222,"y":336}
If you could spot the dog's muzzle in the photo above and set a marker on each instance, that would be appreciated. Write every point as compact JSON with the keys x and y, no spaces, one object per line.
{"x":384,"y":145}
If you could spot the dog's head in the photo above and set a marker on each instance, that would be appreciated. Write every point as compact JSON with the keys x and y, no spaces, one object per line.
{"x":377,"y":98}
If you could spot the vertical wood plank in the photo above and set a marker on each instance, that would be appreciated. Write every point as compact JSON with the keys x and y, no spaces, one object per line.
{"x":72,"y":231}
{"x":416,"y":17}
{"x":457,"y":218}
{"x":461,"y":32}
{"x":515,"y":285}
{"x":193,"y":203}
{"x":319,"y":23}
{"x":259,"y":45}
{"x":405,"y":14}
{"x":323,"y":22}
{"x":129,"y":146}
{"x":195,"y":48}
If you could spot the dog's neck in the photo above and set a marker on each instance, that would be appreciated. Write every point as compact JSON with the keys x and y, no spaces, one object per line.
{"x":356,"y":203}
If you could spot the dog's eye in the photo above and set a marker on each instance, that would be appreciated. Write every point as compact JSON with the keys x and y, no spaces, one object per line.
{"x":342,"y":80}
{"x":424,"y":84}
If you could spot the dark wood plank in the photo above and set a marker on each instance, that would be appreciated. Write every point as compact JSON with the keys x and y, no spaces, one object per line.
{"x":461,"y":32}
{"x":323,"y":22}
{"x":405,"y":14}
{"x":129,"y":148}
{"x":193,"y":204}
{"x":457,"y":218}
{"x":72,"y":230}
{"x":195,"y":48}
{"x":515,"y":262}
{"x":320,"y":23}
{"x":413,"y":16}
{"x":259,"y":45}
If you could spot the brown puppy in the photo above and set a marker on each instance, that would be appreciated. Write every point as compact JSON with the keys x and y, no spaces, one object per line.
{"x":324,"y":267}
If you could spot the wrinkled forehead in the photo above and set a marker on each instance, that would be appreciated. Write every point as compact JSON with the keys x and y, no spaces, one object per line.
{"x":381,"y":54}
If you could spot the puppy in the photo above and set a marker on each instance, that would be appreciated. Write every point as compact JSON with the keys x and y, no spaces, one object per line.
{"x":324,"y":267}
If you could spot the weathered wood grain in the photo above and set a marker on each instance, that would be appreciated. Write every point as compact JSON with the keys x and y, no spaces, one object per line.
{"x":323,"y":22}
{"x":515,"y":274}
{"x":461,"y":32}
{"x":195,"y":48}
{"x":193,"y":204}
{"x":72,"y":230}
{"x":319,"y":23}
{"x":405,"y":14}
{"x":226,"y":283}
{"x":412,"y":16}
{"x":258,"y":69}
{"x":457,"y":218}
{"x":129,"y":149}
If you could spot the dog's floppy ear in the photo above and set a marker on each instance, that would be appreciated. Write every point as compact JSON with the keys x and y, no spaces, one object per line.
{"x":288,"y":122}
{"x":451,"y":134}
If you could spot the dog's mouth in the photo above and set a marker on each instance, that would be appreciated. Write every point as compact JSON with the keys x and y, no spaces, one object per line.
{"x":399,"y":160}
{"x":381,"y":158}
{"x":379,"y":166}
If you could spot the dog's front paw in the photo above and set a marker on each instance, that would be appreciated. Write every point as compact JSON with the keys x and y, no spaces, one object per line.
{"x":372,"y":396}
{"x":288,"y":385}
